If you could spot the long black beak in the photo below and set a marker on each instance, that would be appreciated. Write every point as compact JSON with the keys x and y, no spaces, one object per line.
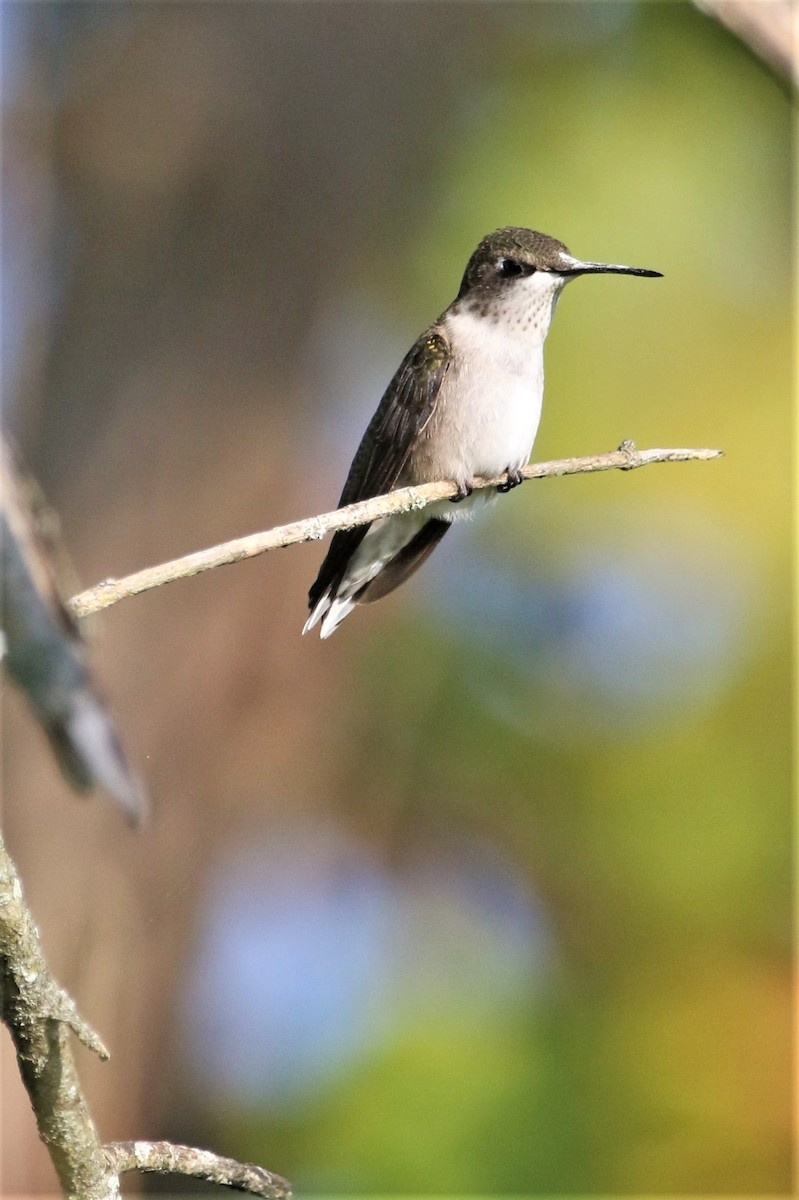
{"x":592,"y":268}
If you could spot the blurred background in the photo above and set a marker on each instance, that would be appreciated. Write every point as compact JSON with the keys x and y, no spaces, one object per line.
{"x":490,"y":892}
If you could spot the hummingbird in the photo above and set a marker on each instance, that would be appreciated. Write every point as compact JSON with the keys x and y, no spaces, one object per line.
{"x":464,"y":402}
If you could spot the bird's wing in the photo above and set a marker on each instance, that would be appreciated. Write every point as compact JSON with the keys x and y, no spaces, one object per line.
{"x":402,"y":416}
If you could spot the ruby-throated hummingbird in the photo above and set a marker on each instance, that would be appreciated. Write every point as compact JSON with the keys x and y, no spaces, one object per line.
{"x":466,"y":401}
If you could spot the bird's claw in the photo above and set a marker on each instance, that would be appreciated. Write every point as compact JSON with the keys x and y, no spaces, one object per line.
{"x":515,"y":477}
{"x":464,"y":490}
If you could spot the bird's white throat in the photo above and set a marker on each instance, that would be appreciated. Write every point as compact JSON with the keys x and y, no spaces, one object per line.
{"x":522,"y":313}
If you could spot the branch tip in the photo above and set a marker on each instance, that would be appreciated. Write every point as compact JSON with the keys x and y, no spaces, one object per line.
{"x":170,"y":1159}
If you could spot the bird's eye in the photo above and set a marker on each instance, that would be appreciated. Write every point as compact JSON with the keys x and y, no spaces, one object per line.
{"x":508,"y":267}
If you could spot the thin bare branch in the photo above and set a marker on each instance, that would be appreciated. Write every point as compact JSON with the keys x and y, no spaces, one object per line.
{"x":111,"y":591}
{"x":169,"y":1159}
{"x":39,"y":1014}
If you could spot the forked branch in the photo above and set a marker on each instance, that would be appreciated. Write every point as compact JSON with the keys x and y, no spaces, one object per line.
{"x":39,"y":1016}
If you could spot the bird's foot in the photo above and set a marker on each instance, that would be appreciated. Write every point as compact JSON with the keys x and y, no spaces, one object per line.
{"x":515,"y":477}
{"x":464,"y":490}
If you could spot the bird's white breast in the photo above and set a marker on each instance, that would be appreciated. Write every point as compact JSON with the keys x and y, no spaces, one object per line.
{"x":487,"y":417}
{"x":496,"y":386}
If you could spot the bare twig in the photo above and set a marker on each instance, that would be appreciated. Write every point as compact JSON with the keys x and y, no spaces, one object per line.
{"x":167,"y":1158}
{"x":111,"y":591}
{"x":39,"y":1014}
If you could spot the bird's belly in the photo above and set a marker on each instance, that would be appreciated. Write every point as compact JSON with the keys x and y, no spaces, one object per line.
{"x":487,"y":425}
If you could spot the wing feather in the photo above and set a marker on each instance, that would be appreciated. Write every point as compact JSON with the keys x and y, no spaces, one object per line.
{"x":401,"y":418}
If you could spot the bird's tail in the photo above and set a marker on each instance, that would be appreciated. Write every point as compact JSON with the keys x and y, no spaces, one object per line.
{"x":339,"y":599}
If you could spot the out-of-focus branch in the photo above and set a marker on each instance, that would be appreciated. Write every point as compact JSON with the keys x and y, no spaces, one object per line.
{"x":39,"y":1014}
{"x":44,"y":653}
{"x":111,"y":591}
{"x":770,"y":28}
{"x":167,"y":1158}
